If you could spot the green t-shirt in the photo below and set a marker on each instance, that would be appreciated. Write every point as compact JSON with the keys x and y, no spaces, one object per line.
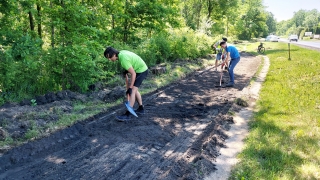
{"x":218,"y":47}
{"x":129,"y":59}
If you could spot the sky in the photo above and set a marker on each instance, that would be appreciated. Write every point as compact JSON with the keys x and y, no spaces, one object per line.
{"x":284,"y":9}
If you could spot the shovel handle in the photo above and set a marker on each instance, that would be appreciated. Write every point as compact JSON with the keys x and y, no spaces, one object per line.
{"x":218,"y":65}
{"x":127,"y":85}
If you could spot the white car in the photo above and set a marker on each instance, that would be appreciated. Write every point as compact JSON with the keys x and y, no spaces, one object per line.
{"x":293,"y":38}
{"x":272,"y":38}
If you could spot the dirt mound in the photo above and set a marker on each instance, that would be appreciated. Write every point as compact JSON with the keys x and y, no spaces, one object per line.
{"x":17,"y":118}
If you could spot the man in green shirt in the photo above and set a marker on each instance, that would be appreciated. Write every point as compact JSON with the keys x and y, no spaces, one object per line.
{"x":138,"y":69}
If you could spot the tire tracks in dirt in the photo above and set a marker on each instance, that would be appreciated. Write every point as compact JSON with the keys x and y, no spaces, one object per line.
{"x":179,"y":137}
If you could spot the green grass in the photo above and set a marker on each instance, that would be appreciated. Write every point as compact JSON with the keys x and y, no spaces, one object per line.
{"x":255,"y":76}
{"x":284,"y":139}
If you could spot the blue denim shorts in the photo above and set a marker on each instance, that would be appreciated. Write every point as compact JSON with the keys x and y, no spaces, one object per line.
{"x":218,"y":56}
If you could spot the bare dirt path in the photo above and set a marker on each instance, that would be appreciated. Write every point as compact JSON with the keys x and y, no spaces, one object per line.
{"x":178,"y":138}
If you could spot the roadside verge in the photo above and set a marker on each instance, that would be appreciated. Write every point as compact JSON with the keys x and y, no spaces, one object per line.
{"x":239,"y":130}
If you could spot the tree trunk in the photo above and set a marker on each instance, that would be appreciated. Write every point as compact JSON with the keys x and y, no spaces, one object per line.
{"x":52,"y":28}
{"x":31,"y":21}
{"x":210,"y":9}
{"x":64,"y":74}
{"x":199,"y":8}
{"x":39,"y":21}
{"x":125,"y":33}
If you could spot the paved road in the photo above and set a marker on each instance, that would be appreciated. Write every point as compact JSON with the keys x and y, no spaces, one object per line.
{"x":304,"y":43}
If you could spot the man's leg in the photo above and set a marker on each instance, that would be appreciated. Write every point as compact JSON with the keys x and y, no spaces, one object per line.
{"x":217,"y":59}
{"x":140,"y":109}
{"x":136,"y":93}
{"x":133,"y":96}
{"x":216,"y":64}
{"x":232,"y":65}
{"x":126,"y":116}
{"x":138,"y":98}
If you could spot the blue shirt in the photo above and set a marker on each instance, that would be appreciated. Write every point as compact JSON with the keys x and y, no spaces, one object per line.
{"x":234,"y":53}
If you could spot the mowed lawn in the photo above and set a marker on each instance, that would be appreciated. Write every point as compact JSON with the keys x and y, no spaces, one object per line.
{"x":284,"y":139}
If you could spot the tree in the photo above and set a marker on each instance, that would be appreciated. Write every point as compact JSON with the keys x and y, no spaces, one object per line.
{"x":271,"y":23}
{"x":299,"y":17}
{"x":312,"y":19}
{"x":49,"y":45}
{"x":195,"y":11}
{"x":252,"y":22}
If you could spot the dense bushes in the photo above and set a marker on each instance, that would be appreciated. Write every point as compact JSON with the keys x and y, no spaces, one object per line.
{"x":27,"y":70}
{"x":175,"y":44}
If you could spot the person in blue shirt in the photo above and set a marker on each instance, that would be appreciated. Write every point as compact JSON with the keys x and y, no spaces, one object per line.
{"x":234,"y":57}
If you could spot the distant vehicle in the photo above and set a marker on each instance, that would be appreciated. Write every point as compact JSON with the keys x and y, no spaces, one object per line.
{"x":293,"y":37}
{"x":268,"y":38}
{"x":272,"y":38}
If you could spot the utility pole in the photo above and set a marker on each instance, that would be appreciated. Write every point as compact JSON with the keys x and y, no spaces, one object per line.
{"x":289,"y":51}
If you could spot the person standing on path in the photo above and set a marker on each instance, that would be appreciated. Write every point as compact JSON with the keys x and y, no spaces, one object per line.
{"x":234,"y":57}
{"x":220,"y":51}
{"x":138,"y":69}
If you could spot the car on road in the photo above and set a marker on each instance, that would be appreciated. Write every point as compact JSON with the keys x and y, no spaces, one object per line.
{"x":293,"y":37}
{"x":272,"y":38}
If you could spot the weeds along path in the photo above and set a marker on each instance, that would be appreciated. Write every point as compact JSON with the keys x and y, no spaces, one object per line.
{"x":179,"y":137}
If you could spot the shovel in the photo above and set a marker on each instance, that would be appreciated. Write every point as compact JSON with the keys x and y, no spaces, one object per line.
{"x":220,"y":76}
{"x":129,"y":108}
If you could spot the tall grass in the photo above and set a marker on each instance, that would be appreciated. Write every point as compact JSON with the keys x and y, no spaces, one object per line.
{"x":284,"y":140}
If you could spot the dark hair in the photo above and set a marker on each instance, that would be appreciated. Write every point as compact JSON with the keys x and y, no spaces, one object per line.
{"x":110,"y":51}
{"x":222,"y":43}
{"x":224,"y":39}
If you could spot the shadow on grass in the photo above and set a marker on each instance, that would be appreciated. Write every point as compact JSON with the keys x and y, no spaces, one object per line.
{"x":270,"y":51}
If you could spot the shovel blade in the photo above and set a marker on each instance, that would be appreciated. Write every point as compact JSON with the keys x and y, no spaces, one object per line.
{"x":130,"y":109}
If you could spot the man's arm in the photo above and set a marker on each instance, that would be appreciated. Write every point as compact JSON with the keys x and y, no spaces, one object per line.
{"x":133,"y":76}
{"x":227,"y":58}
{"x":216,"y":44}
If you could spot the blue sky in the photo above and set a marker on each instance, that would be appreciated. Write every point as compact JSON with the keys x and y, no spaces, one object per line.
{"x":283,"y":9}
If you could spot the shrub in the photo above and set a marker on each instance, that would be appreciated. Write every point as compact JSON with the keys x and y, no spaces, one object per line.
{"x":186,"y":43}
{"x":302,"y":33}
{"x":26,"y":69}
{"x":306,"y":38}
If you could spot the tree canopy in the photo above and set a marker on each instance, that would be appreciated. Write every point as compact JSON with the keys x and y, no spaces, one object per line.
{"x":50,"y":45}
{"x":302,"y":21}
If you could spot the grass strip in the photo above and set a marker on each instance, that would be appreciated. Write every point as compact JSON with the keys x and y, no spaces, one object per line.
{"x":284,"y":139}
